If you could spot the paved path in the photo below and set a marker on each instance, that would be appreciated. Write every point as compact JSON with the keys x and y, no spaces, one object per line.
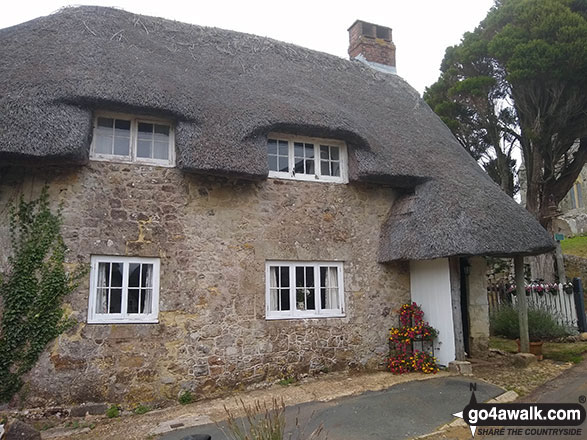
{"x":402,"y":411}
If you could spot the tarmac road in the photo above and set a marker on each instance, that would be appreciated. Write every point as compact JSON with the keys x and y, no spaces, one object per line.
{"x":566,"y":388}
{"x":399,"y":412}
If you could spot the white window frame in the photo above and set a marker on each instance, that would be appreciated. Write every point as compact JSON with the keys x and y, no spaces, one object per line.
{"x":317,"y":177}
{"x":293,"y":313}
{"x":134,"y":124}
{"x":123,"y":317}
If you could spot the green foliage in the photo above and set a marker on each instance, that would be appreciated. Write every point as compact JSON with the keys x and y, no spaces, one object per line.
{"x":287,"y":381}
{"x":186,"y":397}
{"x":113,"y":412}
{"x":575,"y":246}
{"x":142,"y":409}
{"x":32,"y":290}
{"x":541,"y":325}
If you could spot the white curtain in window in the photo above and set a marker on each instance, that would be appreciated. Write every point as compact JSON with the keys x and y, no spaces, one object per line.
{"x":273,"y":291}
{"x":331,"y":297}
{"x":102,"y":288}
{"x":148,"y":291}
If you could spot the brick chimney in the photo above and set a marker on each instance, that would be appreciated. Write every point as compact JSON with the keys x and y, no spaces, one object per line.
{"x":372,"y":45}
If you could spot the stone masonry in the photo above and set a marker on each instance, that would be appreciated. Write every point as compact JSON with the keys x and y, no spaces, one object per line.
{"x":213,"y":236}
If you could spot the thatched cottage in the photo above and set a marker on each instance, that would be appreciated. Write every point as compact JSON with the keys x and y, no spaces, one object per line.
{"x":250,"y":209}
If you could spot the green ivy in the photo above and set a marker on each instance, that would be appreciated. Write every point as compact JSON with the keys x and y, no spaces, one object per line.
{"x":32,"y":290}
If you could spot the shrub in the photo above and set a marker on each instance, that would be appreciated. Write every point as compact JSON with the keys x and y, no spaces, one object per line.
{"x":186,"y":397}
{"x":264,"y":423}
{"x":142,"y":409}
{"x":113,"y":412}
{"x":541,"y":325}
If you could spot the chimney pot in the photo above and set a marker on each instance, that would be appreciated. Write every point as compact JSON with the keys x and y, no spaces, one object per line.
{"x":373,"y":45}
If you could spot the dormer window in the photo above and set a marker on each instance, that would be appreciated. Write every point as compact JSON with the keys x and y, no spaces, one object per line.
{"x":125,"y":138}
{"x":310,"y":159}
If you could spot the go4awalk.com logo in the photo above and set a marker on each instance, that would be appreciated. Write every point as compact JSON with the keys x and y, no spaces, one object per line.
{"x":534,"y":419}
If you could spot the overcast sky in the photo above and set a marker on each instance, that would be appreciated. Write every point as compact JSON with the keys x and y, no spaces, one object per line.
{"x":422,"y":29}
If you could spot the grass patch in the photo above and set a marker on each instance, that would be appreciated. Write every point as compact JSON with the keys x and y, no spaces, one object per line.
{"x":555,"y":351}
{"x":287,"y":381}
{"x":575,"y":246}
{"x":503,"y":344}
{"x":565,"y":352}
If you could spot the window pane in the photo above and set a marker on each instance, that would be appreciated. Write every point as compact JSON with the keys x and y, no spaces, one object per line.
{"x":298,"y":149}
{"x":116,"y":276}
{"x":283,"y":148}
{"x":273,"y":299}
{"x":145,"y":128}
{"x":336,"y":169}
{"x":329,"y":291}
{"x":283,"y":164}
{"x":334,"y":153}
{"x":133,"y":301}
{"x":310,"y":166}
{"x":325,"y":168}
{"x":144,"y":148}
{"x":115,"y":301}
{"x":122,"y":127}
{"x":103,"y":143}
{"x":147,"y":275}
{"x":121,"y":145}
{"x":273,"y":163}
{"x":101,"y":300}
{"x":324,"y":152}
{"x":284,"y":276}
{"x":309,"y":150}
{"x":161,"y":131}
{"x":134,"y":272}
{"x":105,"y":122}
{"x":161,"y":151}
{"x":146,"y":300}
{"x":272,"y":146}
{"x":299,"y":166}
{"x":310,"y":300}
{"x":284,"y":298}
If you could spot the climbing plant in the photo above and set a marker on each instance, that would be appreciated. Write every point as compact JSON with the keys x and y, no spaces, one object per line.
{"x":403,"y":356}
{"x":32,"y":289}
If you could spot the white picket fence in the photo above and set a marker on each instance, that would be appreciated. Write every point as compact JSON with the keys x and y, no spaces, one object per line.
{"x":556,"y":299}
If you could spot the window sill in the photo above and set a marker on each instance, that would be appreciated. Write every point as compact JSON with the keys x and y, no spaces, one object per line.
{"x":123,"y":160}
{"x":122,"y":321}
{"x":306,"y":178}
{"x":301,"y":317}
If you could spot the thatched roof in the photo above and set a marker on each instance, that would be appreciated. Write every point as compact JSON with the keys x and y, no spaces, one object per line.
{"x":225,"y":91}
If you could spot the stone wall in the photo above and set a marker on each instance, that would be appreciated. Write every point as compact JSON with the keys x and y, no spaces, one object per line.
{"x":213,"y":236}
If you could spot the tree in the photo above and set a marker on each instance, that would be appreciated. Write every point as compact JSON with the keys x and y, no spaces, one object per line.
{"x":471,"y":98}
{"x":520,"y":79}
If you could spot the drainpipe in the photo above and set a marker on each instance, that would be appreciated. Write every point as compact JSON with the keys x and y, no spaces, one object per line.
{"x":522,"y":303}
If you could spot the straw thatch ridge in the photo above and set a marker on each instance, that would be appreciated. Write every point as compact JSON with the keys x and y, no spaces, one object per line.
{"x":225,"y":91}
